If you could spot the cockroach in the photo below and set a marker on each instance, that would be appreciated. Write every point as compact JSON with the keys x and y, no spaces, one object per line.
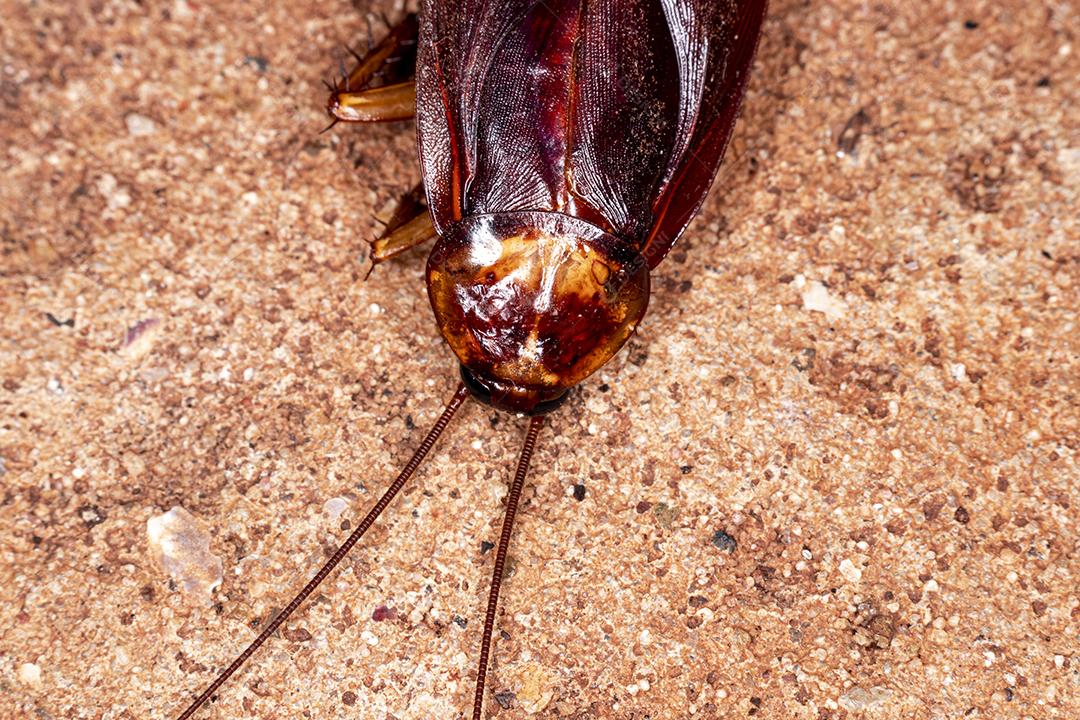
{"x":564,"y":146}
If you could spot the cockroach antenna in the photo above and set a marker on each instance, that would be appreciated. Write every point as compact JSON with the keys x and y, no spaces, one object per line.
{"x":410,"y":467}
{"x":500,"y":559}
{"x":512,"y":500}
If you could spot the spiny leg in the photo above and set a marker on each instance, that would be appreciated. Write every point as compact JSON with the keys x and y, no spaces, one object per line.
{"x":393,"y":59}
{"x":408,"y":225}
{"x":500,"y":560}
{"x":381,"y":87}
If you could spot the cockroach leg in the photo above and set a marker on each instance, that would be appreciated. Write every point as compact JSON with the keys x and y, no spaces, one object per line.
{"x":407,"y":206}
{"x":381,"y":104}
{"x":396,"y":53}
{"x":413,"y":233}
{"x":406,"y":226}
{"x":380,"y":88}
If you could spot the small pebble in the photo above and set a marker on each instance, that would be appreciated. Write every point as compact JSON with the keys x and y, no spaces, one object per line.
{"x":30,"y":674}
{"x":139,"y":125}
{"x":850,"y":571}
{"x":816,"y":297}
{"x":724,"y":541}
{"x":858,"y":698}
{"x":139,"y":338}
{"x":180,"y":544}
{"x":383,"y":612}
{"x":334,"y":507}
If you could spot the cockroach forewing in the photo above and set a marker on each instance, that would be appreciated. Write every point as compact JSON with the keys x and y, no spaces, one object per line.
{"x":721,"y":43}
{"x":615,"y":111}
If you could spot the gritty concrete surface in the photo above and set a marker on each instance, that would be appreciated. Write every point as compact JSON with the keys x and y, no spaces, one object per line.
{"x":834,"y":475}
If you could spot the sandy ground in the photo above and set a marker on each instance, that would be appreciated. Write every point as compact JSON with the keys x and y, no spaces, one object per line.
{"x":833,"y":476}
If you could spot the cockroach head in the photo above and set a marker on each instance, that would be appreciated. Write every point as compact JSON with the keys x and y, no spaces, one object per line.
{"x":532,"y":303}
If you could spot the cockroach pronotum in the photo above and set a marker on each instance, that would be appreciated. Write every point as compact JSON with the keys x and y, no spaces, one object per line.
{"x":564,"y":146}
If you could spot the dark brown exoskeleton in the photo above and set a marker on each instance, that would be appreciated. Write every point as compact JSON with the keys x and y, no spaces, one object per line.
{"x":564,"y":146}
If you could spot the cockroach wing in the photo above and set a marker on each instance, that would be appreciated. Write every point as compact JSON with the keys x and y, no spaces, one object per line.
{"x":614,"y":111}
{"x":486,"y":141}
{"x":720,"y":40}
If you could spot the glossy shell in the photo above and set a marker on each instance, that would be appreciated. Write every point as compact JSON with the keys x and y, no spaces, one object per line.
{"x":532,"y":303}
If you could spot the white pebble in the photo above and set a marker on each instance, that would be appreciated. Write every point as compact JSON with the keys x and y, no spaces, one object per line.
{"x":858,"y":698}
{"x":180,"y":544}
{"x":30,"y":674}
{"x":139,"y":125}
{"x":816,"y":297}
{"x":850,"y":571}
{"x":334,"y":507}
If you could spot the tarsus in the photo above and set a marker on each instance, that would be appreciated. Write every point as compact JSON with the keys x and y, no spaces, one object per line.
{"x":367,"y":522}
{"x":500,"y":559}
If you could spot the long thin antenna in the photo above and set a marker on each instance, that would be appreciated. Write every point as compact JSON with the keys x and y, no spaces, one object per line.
{"x":500,"y":559}
{"x":369,"y":519}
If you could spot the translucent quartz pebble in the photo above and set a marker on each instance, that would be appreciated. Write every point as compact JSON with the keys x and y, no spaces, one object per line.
{"x":180,"y":544}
